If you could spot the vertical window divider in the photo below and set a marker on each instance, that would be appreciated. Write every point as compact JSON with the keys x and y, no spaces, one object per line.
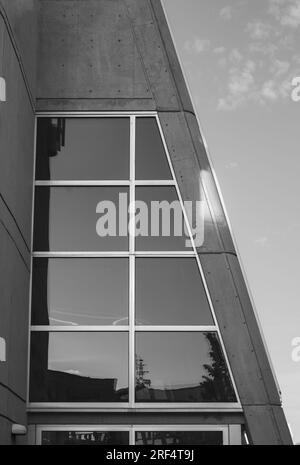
{"x":131,"y":386}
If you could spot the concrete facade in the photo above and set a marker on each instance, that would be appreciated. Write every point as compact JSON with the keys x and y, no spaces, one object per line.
{"x":113,"y":55}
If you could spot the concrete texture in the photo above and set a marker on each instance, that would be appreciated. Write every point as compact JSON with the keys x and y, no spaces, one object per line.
{"x":17,"y":66}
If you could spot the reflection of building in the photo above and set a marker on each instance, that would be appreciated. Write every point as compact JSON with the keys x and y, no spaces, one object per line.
{"x":114,"y":115}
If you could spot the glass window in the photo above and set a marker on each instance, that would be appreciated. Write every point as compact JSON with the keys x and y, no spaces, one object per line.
{"x":83,"y":148}
{"x":66,"y":219}
{"x":151,"y":159}
{"x":169,"y":291}
{"x":85,"y":438}
{"x":173,"y":438}
{"x":80,"y":291}
{"x":79,"y":367}
{"x":162,"y":225}
{"x":181,"y":367}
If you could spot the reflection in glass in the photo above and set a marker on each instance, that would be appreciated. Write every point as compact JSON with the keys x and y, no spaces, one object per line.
{"x":80,"y":291}
{"x":151,"y":159}
{"x":79,"y":367}
{"x":181,"y":367}
{"x":184,"y":438}
{"x":85,"y":438}
{"x":65,"y":219}
{"x":170,"y":233}
{"x":169,"y":291}
{"x":82,"y":148}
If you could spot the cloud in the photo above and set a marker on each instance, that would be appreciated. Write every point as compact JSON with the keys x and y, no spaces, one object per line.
{"x":219,"y":50}
{"x":261,"y":241}
{"x":232,"y":165}
{"x":197,"y":45}
{"x":287,"y":12}
{"x":235,"y":56}
{"x":226,"y":13}
{"x":258,"y":30}
{"x":239,"y":87}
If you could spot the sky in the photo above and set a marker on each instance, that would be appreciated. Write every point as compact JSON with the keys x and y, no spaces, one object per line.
{"x":239,"y":58}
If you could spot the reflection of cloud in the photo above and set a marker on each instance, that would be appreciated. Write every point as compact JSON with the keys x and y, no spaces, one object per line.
{"x":226,"y":13}
{"x":73,"y":372}
{"x":197,"y":45}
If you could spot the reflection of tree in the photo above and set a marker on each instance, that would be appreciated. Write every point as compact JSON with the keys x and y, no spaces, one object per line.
{"x":140,"y":369}
{"x":216,"y":385}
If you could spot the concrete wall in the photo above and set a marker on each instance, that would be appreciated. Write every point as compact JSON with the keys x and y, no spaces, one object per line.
{"x":17,"y":66}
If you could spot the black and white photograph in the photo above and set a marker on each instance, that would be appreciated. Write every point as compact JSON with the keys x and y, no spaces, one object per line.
{"x":149,"y":225}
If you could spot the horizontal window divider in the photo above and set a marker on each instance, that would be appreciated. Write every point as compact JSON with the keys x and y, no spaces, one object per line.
{"x":79,"y":254}
{"x":82,"y":328}
{"x":162,"y":254}
{"x":88,"y":114}
{"x":112,"y":254}
{"x":179,"y":427}
{"x":112,"y":183}
{"x":89,"y":428}
{"x":83,"y":183}
{"x":173,"y":328}
{"x":143,"y":407}
{"x":167,"y":182}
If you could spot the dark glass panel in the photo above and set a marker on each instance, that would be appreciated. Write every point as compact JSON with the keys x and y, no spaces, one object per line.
{"x":181,"y":367}
{"x":83,"y":148}
{"x":85,"y":438}
{"x":65,"y":219}
{"x":79,"y":367}
{"x":164,"y":222}
{"x":184,"y":438}
{"x":151,"y":159}
{"x":169,"y":291}
{"x":80,"y":291}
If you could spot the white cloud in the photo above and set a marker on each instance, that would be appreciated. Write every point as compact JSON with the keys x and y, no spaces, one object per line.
{"x":261,"y":241}
{"x":219,"y":50}
{"x":232,"y":165}
{"x":258,"y":30}
{"x":287,"y":12}
{"x":241,"y":80}
{"x":279,"y":67}
{"x":240,"y":86}
{"x":269,"y":90}
{"x":264,"y":48}
{"x":197,"y":45}
{"x":235,"y":56}
{"x":226,"y":13}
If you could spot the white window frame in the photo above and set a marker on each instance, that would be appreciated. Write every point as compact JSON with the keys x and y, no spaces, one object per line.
{"x":131,"y":254}
{"x":225,"y":429}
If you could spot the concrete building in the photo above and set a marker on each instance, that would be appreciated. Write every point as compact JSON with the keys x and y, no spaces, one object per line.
{"x":115,"y":339}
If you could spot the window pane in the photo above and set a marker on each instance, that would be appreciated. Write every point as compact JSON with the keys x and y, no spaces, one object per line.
{"x":151,"y":159}
{"x":80,"y":291}
{"x":79,"y":367}
{"x":83,"y":148}
{"x":185,"y":438}
{"x":181,"y":367}
{"x":66,"y":219}
{"x":85,"y":438}
{"x":169,"y":291}
{"x":164,"y":228}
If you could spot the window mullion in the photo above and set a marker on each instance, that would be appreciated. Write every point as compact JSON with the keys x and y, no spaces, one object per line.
{"x":132,"y":266}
